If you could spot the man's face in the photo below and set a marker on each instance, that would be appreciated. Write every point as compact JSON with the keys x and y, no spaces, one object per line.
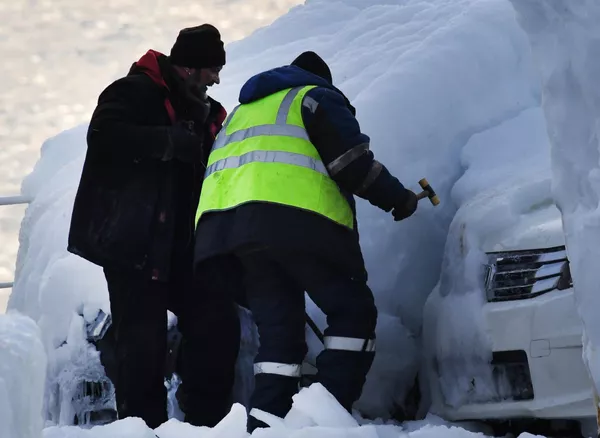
{"x":209,"y":76}
{"x":200,"y":79}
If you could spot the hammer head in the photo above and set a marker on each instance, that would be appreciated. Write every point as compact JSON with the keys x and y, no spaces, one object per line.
{"x":429,"y":191}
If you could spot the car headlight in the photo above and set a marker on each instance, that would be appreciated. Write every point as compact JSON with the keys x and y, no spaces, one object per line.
{"x":516,"y":275}
{"x":97,"y":328}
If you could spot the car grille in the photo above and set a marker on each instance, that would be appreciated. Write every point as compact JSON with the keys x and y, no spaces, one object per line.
{"x":517,"y":275}
{"x":93,"y":403}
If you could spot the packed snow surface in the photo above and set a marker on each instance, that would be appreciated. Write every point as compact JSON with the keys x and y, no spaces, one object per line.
{"x":315,"y":414}
{"x":446,"y":91}
{"x":565,"y":38}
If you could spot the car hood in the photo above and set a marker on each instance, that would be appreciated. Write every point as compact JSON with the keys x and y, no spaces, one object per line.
{"x":519,"y":215}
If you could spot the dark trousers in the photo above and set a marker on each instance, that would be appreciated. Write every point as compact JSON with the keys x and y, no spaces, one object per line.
{"x":208,"y":322}
{"x":275,"y":282}
{"x":210,"y":329}
{"x":139,"y":313}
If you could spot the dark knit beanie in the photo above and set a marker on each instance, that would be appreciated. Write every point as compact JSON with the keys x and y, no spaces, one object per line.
{"x":198,"y":47}
{"x":314,"y":64}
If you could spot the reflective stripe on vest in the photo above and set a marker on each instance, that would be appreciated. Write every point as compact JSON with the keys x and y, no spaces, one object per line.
{"x":263,"y":154}
{"x":267,"y":157}
{"x":281,"y":127}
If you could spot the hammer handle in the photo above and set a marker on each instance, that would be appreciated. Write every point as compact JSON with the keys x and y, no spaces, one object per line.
{"x":422,"y":195}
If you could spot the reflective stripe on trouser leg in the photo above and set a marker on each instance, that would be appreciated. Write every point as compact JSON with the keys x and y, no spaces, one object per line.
{"x":349,"y":344}
{"x":281,"y":369}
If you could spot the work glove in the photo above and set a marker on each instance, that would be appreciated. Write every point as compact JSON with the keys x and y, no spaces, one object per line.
{"x":184,"y":144}
{"x":406,"y":207}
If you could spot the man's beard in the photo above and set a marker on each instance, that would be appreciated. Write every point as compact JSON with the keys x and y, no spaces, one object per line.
{"x":197,"y":97}
{"x":196,"y":90}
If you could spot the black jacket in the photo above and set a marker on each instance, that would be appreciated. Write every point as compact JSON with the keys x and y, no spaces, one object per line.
{"x":134,"y":207}
{"x":334,"y":131}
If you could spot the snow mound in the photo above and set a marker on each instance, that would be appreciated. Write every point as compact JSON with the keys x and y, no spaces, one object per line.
{"x":425,"y":78}
{"x":314,"y":414}
{"x":22,"y":374}
{"x":565,"y":40}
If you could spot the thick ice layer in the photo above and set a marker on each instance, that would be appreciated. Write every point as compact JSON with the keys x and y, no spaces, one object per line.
{"x":505,"y":204}
{"x":60,"y":291}
{"x":565,"y":39}
{"x":22,"y":376}
{"x":424,"y":77}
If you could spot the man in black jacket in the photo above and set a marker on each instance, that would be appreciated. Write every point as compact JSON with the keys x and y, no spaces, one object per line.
{"x":148,"y":142}
{"x":278,"y":196}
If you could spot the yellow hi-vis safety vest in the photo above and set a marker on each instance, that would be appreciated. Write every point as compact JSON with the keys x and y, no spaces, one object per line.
{"x":263,"y":154}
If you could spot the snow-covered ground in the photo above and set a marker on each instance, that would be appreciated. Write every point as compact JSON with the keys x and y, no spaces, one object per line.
{"x":58,"y":55}
{"x":565,"y":38}
{"x":447,"y":90}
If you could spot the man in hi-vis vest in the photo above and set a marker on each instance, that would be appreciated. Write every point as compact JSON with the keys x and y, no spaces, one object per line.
{"x":278,"y":197}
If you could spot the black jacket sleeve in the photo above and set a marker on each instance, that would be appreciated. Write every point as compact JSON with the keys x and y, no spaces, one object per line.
{"x":130,"y":121}
{"x":344,"y":149}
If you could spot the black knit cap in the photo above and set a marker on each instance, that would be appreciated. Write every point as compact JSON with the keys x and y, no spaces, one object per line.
{"x":198,"y":47}
{"x":314,"y":64}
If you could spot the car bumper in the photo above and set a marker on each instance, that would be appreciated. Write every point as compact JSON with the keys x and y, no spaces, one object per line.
{"x":548,"y":332}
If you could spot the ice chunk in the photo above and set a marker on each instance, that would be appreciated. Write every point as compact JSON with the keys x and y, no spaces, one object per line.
{"x":322,"y":407}
{"x":22,"y":377}
{"x":273,"y":421}
{"x":297,"y":419}
{"x":232,"y":426}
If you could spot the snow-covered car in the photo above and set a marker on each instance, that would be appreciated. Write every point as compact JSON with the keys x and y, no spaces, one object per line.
{"x":93,"y":401}
{"x":517,"y":353}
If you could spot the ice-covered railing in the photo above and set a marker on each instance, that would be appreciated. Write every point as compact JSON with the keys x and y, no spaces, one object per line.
{"x":12,"y":200}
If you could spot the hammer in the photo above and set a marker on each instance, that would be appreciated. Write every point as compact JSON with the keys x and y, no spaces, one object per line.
{"x":428,"y":192}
